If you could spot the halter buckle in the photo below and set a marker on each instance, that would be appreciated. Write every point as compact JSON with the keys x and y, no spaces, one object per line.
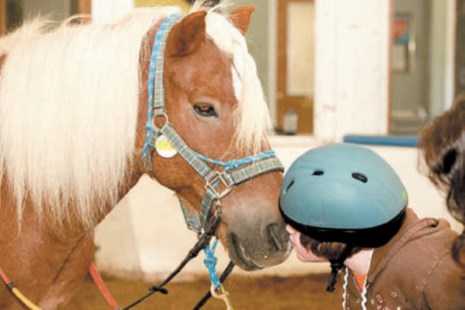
{"x":211,"y":185}
{"x":159,"y":115}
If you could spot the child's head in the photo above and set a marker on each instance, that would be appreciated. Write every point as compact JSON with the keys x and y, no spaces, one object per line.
{"x":442,"y":143}
{"x":342,"y":197}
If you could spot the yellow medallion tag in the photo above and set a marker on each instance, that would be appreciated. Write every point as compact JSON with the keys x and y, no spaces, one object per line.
{"x":164,"y":147}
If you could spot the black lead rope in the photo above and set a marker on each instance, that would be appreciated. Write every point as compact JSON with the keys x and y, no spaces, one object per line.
{"x":223,"y":277}
{"x":201,"y":243}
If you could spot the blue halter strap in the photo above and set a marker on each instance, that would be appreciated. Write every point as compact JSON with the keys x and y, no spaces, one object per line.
{"x":235,"y":172}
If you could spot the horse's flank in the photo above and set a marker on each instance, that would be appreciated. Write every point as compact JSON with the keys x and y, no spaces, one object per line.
{"x":69,"y":103}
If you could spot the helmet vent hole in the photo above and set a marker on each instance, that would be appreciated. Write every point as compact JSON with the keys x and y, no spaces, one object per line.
{"x":290,"y":185}
{"x":359,"y":177}
{"x":318,"y":172}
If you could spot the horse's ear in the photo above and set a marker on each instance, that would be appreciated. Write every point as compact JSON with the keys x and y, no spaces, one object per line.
{"x":187,"y":35}
{"x":240,"y":17}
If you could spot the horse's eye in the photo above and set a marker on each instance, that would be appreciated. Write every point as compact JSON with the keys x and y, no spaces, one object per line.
{"x":205,"y":109}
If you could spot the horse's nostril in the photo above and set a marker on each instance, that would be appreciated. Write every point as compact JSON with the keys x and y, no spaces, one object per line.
{"x":275,"y":231}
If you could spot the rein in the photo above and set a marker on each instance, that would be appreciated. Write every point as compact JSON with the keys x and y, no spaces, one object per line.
{"x":201,"y":243}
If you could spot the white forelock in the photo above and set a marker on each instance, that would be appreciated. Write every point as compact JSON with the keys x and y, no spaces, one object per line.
{"x":252,"y":115}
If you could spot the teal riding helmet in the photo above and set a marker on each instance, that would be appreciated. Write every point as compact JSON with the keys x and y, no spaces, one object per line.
{"x":345,"y":193}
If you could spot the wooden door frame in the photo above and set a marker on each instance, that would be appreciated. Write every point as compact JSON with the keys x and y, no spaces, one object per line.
{"x":84,"y":6}
{"x":2,"y":17}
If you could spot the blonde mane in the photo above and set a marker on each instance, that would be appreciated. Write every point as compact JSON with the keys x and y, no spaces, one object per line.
{"x":69,"y":102}
{"x":253,"y":124}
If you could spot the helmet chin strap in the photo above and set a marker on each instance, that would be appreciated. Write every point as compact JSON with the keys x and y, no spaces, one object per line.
{"x":336,"y":265}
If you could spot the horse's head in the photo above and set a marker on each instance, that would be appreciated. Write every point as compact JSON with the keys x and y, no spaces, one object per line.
{"x":215,"y":103}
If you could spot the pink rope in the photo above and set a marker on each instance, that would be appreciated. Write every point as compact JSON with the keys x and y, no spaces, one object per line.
{"x":102,"y":288}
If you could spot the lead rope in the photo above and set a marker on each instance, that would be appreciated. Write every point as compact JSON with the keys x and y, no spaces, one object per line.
{"x":30,"y":305}
{"x":17,"y":293}
{"x":201,"y":243}
{"x":223,"y":277}
{"x":216,"y":288}
{"x":102,"y":287}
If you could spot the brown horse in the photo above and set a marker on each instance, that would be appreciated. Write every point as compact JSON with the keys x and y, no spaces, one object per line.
{"x":74,"y":113}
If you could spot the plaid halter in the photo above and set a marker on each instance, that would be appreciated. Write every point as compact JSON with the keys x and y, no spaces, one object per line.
{"x":235,"y":171}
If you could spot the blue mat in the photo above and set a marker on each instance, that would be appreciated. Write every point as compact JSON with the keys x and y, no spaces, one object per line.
{"x":402,"y":141}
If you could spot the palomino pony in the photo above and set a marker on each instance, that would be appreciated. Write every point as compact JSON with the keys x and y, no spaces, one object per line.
{"x":86,"y":109}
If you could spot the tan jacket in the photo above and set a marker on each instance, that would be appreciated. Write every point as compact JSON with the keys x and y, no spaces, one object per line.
{"x":414,"y":270}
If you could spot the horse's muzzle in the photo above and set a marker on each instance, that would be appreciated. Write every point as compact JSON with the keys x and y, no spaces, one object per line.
{"x":257,"y":250}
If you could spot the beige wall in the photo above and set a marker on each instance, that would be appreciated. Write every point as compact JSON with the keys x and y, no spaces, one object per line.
{"x":260,"y":36}
{"x":351,"y":68}
{"x":57,"y":9}
{"x":181,"y":3}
